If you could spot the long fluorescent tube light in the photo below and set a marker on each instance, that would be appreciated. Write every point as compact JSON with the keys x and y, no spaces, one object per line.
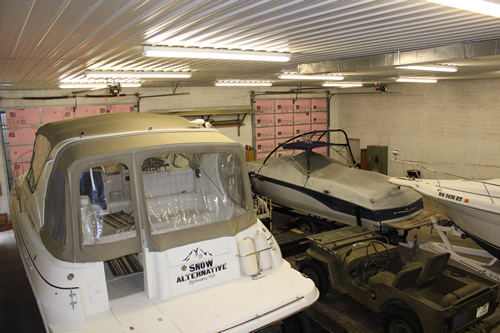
{"x":476,"y":6}
{"x":127,"y":74}
{"x":310,"y":77}
{"x":415,"y":79}
{"x":430,"y":68}
{"x":343,"y":84}
{"x":95,"y":85}
{"x":185,"y":52}
{"x":243,"y":84}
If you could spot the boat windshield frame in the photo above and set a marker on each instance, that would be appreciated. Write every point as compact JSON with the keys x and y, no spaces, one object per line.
{"x":308,"y":140}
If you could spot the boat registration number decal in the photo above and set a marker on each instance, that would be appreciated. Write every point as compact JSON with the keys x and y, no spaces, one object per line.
{"x":482,"y":310}
{"x":452,"y":197}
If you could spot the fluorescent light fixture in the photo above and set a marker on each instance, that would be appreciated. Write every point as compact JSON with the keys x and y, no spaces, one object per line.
{"x":96,"y":85}
{"x":127,"y":74}
{"x":416,"y":79}
{"x":186,"y":52}
{"x":243,"y":83}
{"x":310,"y":77}
{"x":343,"y":84}
{"x":476,"y":6}
{"x":436,"y":68}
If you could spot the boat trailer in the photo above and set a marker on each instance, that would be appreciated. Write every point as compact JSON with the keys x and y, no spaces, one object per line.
{"x":456,"y":252}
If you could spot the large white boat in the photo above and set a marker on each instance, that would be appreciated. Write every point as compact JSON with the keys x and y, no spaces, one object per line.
{"x":472,"y":204}
{"x":144,"y":222}
{"x":325,"y":187}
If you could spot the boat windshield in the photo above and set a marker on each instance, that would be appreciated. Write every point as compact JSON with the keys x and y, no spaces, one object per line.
{"x":184,"y":190}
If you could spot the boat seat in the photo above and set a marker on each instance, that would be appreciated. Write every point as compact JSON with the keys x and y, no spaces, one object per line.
{"x":181,"y":210}
{"x":181,"y":202}
{"x":163,"y":183}
{"x":405,"y":278}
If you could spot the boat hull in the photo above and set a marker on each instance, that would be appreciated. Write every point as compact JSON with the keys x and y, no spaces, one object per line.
{"x":467,"y":204}
{"x":329,"y":206}
{"x":480,"y":225}
{"x":267,"y":300}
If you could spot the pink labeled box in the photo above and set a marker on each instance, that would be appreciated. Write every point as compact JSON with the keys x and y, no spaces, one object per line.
{"x":56,"y":114}
{"x":319,"y":127}
{"x":301,"y":129}
{"x":284,"y":119}
{"x":319,"y":104}
{"x":264,"y":145}
{"x":264,"y":106}
{"x":302,"y":105}
{"x":21,"y":135}
{"x":284,"y":131}
{"x":22,"y":116}
{"x":283,"y":105}
{"x":264,"y":132}
{"x":89,"y":110}
{"x":319,"y":117}
{"x":264,"y":120}
{"x":302,"y":117}
{"x":121,"y":108}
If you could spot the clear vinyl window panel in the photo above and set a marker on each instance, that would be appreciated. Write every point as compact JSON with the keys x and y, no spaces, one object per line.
{"x":106,"y":204}
{"x":188,"y":190}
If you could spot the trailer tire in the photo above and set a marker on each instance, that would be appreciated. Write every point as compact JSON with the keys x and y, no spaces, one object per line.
{"x":316,"y":272}
{"x":402,"y":320}
{"x":298,"y":323}
{"x":305,"y":225}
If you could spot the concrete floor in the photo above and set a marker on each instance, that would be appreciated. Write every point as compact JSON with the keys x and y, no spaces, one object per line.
{"x":19,"y":312}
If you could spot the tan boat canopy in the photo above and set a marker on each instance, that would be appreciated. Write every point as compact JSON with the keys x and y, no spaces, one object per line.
{"x":112,"y":176}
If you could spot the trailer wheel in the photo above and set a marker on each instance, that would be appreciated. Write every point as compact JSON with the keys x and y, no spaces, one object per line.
{"x":316,"y":272}
{"x":305,"y":225}
{"x":402,"y":321}
{"x":298,"y":323}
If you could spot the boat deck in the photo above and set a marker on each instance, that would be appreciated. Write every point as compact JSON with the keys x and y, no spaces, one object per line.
{"x":421,"y":220}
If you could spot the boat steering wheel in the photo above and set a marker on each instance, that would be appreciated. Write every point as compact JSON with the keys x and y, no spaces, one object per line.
{"x":153,"y":164}
{"x":378,"y":258}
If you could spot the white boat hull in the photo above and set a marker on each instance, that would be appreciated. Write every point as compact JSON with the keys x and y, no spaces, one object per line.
{"x":314,"y":205}
{"x":86,"y":307}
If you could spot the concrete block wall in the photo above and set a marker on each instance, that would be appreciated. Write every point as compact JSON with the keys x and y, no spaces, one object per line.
{"x":450,"y":121}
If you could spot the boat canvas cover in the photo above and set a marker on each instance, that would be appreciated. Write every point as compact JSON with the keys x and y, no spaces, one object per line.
{"x":139,"y":137}
{"x":361,"y":187}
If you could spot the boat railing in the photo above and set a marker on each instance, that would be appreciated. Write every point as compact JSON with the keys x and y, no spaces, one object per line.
{"x":440,"y":175}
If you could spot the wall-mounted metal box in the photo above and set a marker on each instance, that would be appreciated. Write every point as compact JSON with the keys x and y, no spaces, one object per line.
{"x":377,"y":158}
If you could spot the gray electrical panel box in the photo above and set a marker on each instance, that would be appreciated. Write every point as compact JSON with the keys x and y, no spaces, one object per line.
{"x":377,"y":159}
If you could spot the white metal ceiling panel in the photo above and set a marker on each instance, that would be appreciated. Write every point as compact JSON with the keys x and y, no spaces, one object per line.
{"x":47,"y":41}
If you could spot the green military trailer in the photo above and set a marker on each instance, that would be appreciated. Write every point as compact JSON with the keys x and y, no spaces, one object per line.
{"x":417,"y":297}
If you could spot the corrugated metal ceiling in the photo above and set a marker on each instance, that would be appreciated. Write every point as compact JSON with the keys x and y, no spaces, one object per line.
{"x":44,"y":42}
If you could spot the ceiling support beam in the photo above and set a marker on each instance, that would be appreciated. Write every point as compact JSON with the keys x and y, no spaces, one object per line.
{"x":441,"y":54}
